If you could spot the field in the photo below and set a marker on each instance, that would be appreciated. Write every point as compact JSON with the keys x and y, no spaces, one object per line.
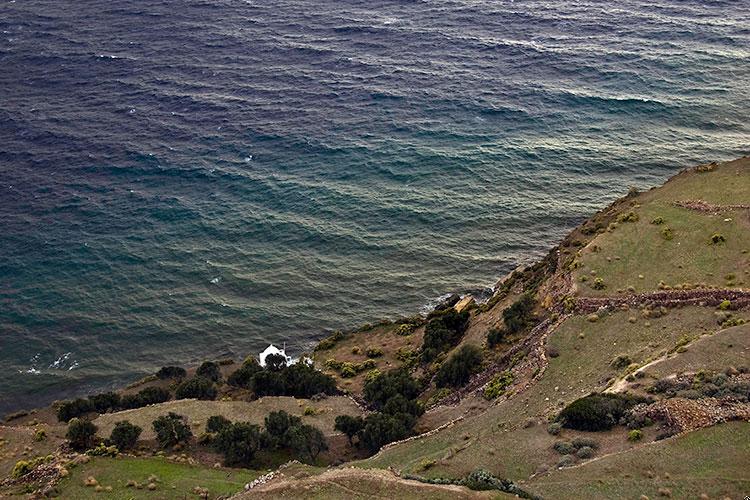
{"x":197,"y":412}
{"x":173,"y":480}
{"x":710,"y":461}
{"x":636,"y":256}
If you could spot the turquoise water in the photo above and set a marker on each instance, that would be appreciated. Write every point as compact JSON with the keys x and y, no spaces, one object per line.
{"x":191,"y":180}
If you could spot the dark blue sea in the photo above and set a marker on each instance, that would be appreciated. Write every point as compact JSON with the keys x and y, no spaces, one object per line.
{"x":183,"y":180}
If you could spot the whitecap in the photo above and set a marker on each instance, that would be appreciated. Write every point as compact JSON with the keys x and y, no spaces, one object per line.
{"x":215,"y":280}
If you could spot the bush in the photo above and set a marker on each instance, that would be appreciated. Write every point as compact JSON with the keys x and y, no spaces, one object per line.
{"x":209,"y":370}
{"x":238,"y":443}
{"x":498,"y":384}
{"x":81,"y":434}
{"x":349,"y":425}
{"x":40,"y":435}
{"x":125,"y":435}
{"x":153,"y":395}
{"x":399,"y":404}
{"x":278,"y":424}
{"x":598,"y":284}
{"x":519,"y":315}
{"x":102,"y":450}
{"x":167,"y":372}
{"x":380,"y":429}
{"x":243,"y":376}
{"x":585,"y":452}
{"x":564,"y":448}
{"x":130,"y":401}
{"x":105,"y":401}
{"x":554,"y":428}
{"x":481,"y":480}
{"x":495,"y":336}
{"x":581,"y":442}
{"x":717,"y":238}
{"x":307,"y":441}
{"x":460,"y":367}
{"x":657,"y":221}
{"x":597,"y":412}
{"x":374,"y":352}
{"x":405,"y":329}
{"x":635,"y":435}
{"x":74,"y":409}
{"x":667,"y":233}
{"x":22,"y":468}
{"x":275,"y":362}
{"x":443,"y":331}
{"x":216,"y":423}
{"x":566,"y":461}
{"x":196,"y":387}
{"x":171,"y":429}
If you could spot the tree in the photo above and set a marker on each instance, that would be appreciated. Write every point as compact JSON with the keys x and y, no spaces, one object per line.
{"x":153,"y":395}
{"x":166,"y":372}
{"x":278,"y":424}
{"x":81,"y":434}
{"x":196,"y":387}
{"x":216,"y":423}
{"x":380,"y":389}
{"x":460,"y":367}
{"x":243,"y":376}
{"x":238,"y":443}
{"x":307,"y":440}
{"x":275,"y":362}
{"x":171,"y":429}
{"x":125,"y":435}
{"x":443,"y":331}
{"x":349,"y":425}
{"x":209,"y":370}
{"x":380,"y":429}
{"x":75,"y":408}
{"x":519,"y":315}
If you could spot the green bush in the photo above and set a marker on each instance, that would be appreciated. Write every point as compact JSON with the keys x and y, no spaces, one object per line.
{"x":22,"y":468}
{"x":443,"y":331}
{"x":298,"y":380}
{"x":717,"y":238}
{"x":277,"y":425}
{"x":498,"y":384}
{"x":459,"y":368}
{"x":238,"y":442}
{"x":243,"y":376}
{"x":585,"y":452}
{"x":635,"y":435}
{"x":657,"y":221}
{"x":349,"y":425}
{"x":374,"y":352}
{"x":216,"y":423}
{"x":105,"y":401}
{"x":74,"y":409}
{"x":554,"y":428}
{"x":405,"y":329}
{"x":153,"y":395}
{"x":209,"y":370}
{"x":495,"y":336}
{"x":124,"y":435}
{"x":581,"y":442}
{"x":167,"y":372}
{"x":81,"y":434}
{"x":597,"y":412}
{"x":519,"y":315}
{"x":102,"y":450}
{"x":380,"y":429}
{"x":387,"y":385}
{"x":566,"y":461}
{"x":598,"y":284}
{"x":667,"y":233}
{"x":564,"y":448}
{"x":171,"y":429}
{"x":196,"y":387}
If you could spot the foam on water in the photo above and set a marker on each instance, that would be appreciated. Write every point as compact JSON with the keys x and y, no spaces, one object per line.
{"x":194,"y":180}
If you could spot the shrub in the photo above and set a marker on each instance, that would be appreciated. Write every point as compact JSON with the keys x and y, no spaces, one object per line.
{"x":405,"y":329}
{"x":275,"y":362}
{"x":349,"y":425}
{"x":74,"y":409}
{"x":597,"y":412}
{"x":171,"y":429}
{"x":564,"y":448}
{"x":585,"y":452}
{"x":498,"y":384}
{"x":481,"y":480}
{"x":278,"y":424}
{"x":724,"y":305}
{"x":303,"y":381}
{"x":380,"y":429}
{"x":81,"y":434}
{"x":196,"y":387}
{"x":348,"y":370}
{"x":153,"y":395}
{"x":399,"y":404}
{"x":657,"y":221}
{"x":238,"y":443}
{"x":460,"y":367}
{"x":667,"y":233}
{"x":22,"y":468}
{"x":309,"y":411}
{"x":635,"y":435}
{"x":124,"y":435}
{"x":307,"y":441}
{"x":598,"y":284}
{"x":374,"y":352}
{"x":216,"y":423}
{"x":243,"y":376}
{"x":519,"y":315}
{"x":554,"y":428}
{"x":167,"y":372}
{"x":495,"y":336}
{"x":566,"y":461}
{"x":105,"y":401}
{"x":40,"y":435}
{"x":621,"y":361}
{"x":717,"y":238}
{"x":209,"y":370}
{"x":130,"y":401}
{"x":102,"y":450}
{"x":581,"y":442}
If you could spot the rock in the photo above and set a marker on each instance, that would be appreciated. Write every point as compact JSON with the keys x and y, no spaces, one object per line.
{"x":151,"y":486}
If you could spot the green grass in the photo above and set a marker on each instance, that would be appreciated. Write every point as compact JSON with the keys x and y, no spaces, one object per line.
{"x":712,"y":461}
{"x":174,"y":480}
{"x":497,"y":440}
{"x":636,"y":249}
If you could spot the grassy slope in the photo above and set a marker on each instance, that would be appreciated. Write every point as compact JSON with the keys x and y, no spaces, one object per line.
{"x":174,"y":480}
{"x":497,"y":439}
{"x":713,"y":461}
{"x":255,"y":412}
{"x":638,"y":248}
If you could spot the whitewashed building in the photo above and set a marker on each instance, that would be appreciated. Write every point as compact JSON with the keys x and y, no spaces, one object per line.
{"x":272,"y":349}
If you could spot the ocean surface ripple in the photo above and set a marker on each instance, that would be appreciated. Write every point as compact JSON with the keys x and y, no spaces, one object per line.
{"x":186,"y":180}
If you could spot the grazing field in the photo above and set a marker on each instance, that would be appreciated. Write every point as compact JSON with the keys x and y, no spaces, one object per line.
{"x":18,"y":443}
{"x":712,"y":461}
{"x":172,"y":480}
{"x":197,"y":412}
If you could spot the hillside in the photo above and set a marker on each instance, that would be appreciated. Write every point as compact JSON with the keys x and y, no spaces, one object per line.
{"x":618,"y":366}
